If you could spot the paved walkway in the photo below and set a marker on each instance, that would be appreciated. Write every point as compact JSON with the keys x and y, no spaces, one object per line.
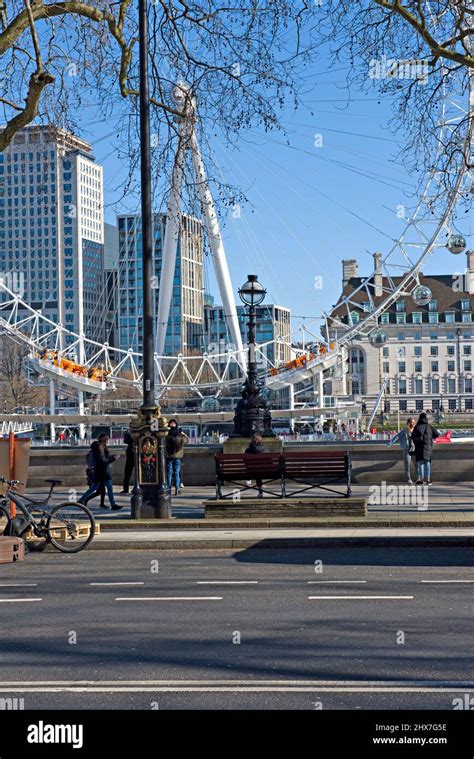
{"x":446,"y":501}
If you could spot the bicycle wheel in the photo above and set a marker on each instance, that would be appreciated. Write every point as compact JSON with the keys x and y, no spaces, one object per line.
{"x":70,"y":527}
{"x":4,"y":517}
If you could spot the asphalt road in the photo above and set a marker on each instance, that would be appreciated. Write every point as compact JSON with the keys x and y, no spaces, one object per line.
{"x":359,"y":629}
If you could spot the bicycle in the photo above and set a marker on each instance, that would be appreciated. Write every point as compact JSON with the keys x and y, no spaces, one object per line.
{"x":69,"y":526}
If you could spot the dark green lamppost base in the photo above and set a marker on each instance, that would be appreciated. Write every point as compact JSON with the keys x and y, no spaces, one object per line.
{"x":151,"y":498}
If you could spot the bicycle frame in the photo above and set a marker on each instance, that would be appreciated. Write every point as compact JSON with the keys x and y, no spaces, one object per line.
{"x":23,"y":503}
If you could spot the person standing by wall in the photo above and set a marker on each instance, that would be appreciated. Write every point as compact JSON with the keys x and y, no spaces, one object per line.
{"x":403,"y":438}
{"x":256,"y":446}
{"x":175,"y":442}
{"x":423,"y":437}
{"x":129,"y":461}
{"x":102,"y":473}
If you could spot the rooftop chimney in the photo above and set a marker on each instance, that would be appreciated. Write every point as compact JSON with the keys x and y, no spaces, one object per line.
{"x":350,"y":269}
{"x":470,"y":272}
{"x":378,"y":281}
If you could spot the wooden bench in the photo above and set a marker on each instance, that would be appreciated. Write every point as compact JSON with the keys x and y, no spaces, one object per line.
{"x":312,"y":469}
{"x":316,"y":469}
{"x":235,"y":467}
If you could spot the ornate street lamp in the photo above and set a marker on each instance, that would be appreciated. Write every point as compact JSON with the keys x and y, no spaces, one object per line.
{"x":150,"y":496}
{"x":252,"y":414}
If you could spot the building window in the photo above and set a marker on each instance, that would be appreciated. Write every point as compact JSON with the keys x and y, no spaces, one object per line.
{"x":433,"y":305}
{"x":417,"y":351}
{"x":468,"y":385}
{"x":467,"y":366}
{"x":402,"y":386}
{"x":435,"y":405}
{"x":402,"y":405}
{"x":465,"y":305}
{"x":452,"y":402}
{"x":367,"y":306}
{"x":450,"y":350}
{"x":418,"y":366}
{"x":385,"y":352}
{"x":386,"y":367}
{"x":466,"y":317}
{"x":434,"y":366}
{"x":400,"y":318}
{"x":435,"y":385}
{"x":417,"y":317}
{"x":417,"y":336}
{"x":401,"y":337}
{"x":469,"y":403}
{"x":433,"y":318}
{"x":466,"y":350}
{"x":385,"y":319}
{"x":451,"y":385}
{"x":354,"y":317}
{"x":402,"y":367}
{"x":433,"y":350}
{"x":419,"y":386}
{"x":449,"y":317}
{"x":451,"y":366}
{"x":419,"y":404}
{"x":400,"y":305}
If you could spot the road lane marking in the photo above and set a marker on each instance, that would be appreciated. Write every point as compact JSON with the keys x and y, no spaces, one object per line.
{"x":173,"y":598}
{"x":234,"y":686}
{"x":18,"y":584}
{"x":442,"y":582}
{"x":336,"y":582}
{"x":226,"y":582}
{"x":109,"y":584}
{"x":18,"y":600}
{"x":358,"y":598}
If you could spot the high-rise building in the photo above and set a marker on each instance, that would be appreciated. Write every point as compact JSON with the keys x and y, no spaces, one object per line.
{"x":186,"y":319}
{"x":111,"y":251}
{"x":273,"y":327}
{"x":52,"y":226}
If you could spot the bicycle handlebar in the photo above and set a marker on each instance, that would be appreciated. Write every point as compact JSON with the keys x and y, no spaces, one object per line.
{"x":11,"y":483}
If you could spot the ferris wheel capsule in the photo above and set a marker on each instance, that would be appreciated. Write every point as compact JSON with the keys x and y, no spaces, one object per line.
{"x":456,"y":244}
{"x":378,"y":338}
{"x":422,"y":295}
{"x":210,"y":404}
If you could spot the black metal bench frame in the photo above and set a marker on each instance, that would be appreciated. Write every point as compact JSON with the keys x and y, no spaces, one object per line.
{"x":252,"y":474}
{"x":282,"y":476}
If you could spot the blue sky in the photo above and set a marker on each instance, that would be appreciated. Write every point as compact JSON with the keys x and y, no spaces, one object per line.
{"x":309,"y":206}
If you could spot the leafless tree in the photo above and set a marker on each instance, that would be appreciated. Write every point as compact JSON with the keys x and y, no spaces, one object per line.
{"x":239,"y":59}
{"x":418,"y":54}
{"x":15,"y":390}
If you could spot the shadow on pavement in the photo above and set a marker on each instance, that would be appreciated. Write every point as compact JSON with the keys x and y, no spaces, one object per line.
{"x":267,"y":553}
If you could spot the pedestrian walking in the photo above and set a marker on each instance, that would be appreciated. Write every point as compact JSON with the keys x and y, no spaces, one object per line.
{"x":129,"y":461}
{"x":404,"y":439}
{"x":90,"y":473}
{"x":102,"y":474}
{"x":423,"y":437}
{"x":256,"y":446}
{"x":175,"y":442}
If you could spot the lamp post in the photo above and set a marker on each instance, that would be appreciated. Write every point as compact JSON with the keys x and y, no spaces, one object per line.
{"x":252,"y":414}
{"x":150,"y":496}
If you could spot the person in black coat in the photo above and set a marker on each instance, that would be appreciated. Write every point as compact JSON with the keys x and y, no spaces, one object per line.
{"x":129,"y":461}
{"x":256,"y":446}
{"x":102,"y":474}
{"x":423,"y":437}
